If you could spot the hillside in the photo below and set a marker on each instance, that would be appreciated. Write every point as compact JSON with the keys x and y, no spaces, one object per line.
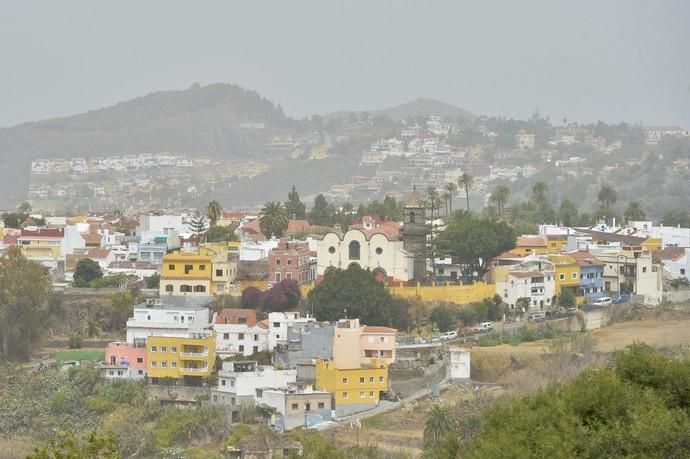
{"x":417,"y":107}
{"x":203,"y":121}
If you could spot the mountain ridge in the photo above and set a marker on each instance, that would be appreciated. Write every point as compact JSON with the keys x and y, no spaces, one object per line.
{"x":421,"y":106}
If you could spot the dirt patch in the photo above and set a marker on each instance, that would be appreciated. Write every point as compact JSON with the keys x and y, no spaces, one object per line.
{"x":664,"y":331}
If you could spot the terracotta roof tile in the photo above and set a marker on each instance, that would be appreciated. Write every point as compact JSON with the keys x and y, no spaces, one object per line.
{"x":232,"y":316}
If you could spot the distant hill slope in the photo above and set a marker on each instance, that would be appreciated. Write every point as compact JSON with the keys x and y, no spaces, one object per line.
{"x":199,"y":121}
{"x":417,"y":107}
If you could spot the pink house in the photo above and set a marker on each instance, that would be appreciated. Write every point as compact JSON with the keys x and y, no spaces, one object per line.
{"x":377,"y":344}
{"x":124,"y":361}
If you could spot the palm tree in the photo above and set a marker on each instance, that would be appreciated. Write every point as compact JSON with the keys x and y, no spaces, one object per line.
{"x":634,"y":211}
{"x":214,"y":212}
{"x":273,"y":219}
{"x":446,"y":196}
{"x":500,"y":197}
{"x":440,"y":421}
{"x":466,"y":180}
{"x":539,"y":191}
{"x":607,"y":196}
{"x":451,"y":188}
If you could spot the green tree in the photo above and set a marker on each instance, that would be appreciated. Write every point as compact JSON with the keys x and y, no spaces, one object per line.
{"x":440,"y":421}
{"x":607,"y":196}
{"x":13,"y":219}
{"x":634,"y":211}
{"x":69,"y":446}
{"x":198,"y":224}
{"x":294,"y":207}
{"x":567,"y":213}
{"x":567,"y":299}
{"x":24,"y":208}
{"x":273,"y":219}
{"x":451,"y":189}
{"x":220,"y":234}
{"x":153,"y":281}
{"x":86,"y":271}
{"x":466,"y":181}
{"x":443,"y":316}
{"x":214,"y":211}
{"x":119,"y":308}
{"x":353,"y":292}
{"x":24,"y":290}
{"x":321,"y":213}
{"x":475,"y":242}
{"x":500,"y":197}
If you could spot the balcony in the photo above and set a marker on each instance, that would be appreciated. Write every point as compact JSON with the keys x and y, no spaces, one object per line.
{"x":194,"y":354}
{"x":193,"y":371}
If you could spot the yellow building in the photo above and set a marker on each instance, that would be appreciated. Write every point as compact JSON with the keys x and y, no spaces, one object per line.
{"x":186,"y":274}
{"x":567,"y":272}
{"x":652,"y":244}
{"x":528,"y":245}
{"x":556,"y":243}
{"x":41,"y":244}
{"x":188,"y":360}
{"x":352,"y":387}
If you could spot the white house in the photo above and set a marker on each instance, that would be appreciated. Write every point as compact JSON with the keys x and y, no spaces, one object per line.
{"x":171,"y":315}
{"x":239,"y":333}
{"x":295,"y":406}
{"x":238,"y":381}
{"x":156,"y":228}
{"x":533,"y":278}
{"x":278,"y":325}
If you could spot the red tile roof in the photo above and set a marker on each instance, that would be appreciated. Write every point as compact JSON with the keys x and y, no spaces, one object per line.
{"x":232,"y":316}
{"x":523,"y":241}
{"x":48,"y":233}
{"x":669,"y":253}
{"x":378,"y":329}
{"x":585,"y":258}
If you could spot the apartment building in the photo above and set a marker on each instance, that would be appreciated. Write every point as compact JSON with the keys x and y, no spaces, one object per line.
{"x":239,"y":333}
{"x":181,"y":360}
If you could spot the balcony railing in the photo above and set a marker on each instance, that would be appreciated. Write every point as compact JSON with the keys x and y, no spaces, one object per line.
{"x":184,"y":370}
{"x":194,"y":354}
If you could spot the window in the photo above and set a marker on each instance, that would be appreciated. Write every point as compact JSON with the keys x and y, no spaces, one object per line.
{"x":682,"y":271}
{"x":345,"y":395}
{"x":381,"y":379}
{"x":240,"y":336}
{"x":644,"y":269}
{"x":255,"y":349}
{"x":276,"y":324}
{"x":277,"y":261}
{"x":371,"y":379}
{"x":382,"y":339}
{"x":171,"y":267}
{"x":185,"y":288}
{"x":412,"y":217}
{"x":173,"y":364}
{"x":289,"y":261}
{"x":188,"y":268}
{"x":241,"y":320}
{"x":219,"y":272}
{"x":321,"y":405}
{"x":307,"y":406}
{"x":164,"y":349}
{"x":112,"y":373}
{"x":574,"y":275}
{"x":256,"y":337}
{"x":277,"y":277}
{"x":379,"y":250}
{"x":173,"y":349}
{"x":140,"y":360}
{"x":562,"y":276}
{"x":361,"y":380}
{"x":153,"y":349}
{"x":200,"y":288}
{"x":354,"y":250}
{"x":148,"y":317}
{"x":140,"y":372}
{"x":153,"y":364}
{"x":202,"y":267}
{"x":371,"y":393}
{"x":331,"y":250}
{"x":222,"y":382}
{"x":344,"y":380}
{"x":288,"y":275}
{"x":226,"y":336}
{"x":169,"y":288}
{"x":164,"y":364}
{"x":241,"y":348}
{"x":295,"y":406}
{"x":361,"y":394}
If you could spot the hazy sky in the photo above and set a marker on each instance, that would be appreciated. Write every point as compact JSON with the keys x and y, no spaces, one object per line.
{"x":584,"y":60}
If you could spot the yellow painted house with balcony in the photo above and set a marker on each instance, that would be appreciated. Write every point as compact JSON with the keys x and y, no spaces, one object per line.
{"x":530,"y":245}
{"x":353,"y":389}
{"x":185,"y":360}
{"x":186,"y":274}
{"x":567,"y":272}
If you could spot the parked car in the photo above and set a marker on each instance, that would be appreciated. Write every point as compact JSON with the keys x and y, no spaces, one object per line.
{"x":620,"y":299}
{"x":539,"y":316}
{"x":601,"y":302}
{"x":485,"y":326}
{"x":449,"y":335}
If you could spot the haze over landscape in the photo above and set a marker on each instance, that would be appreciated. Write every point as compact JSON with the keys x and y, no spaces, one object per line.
{"x":345,"y":229}
{"x":614,"y":61}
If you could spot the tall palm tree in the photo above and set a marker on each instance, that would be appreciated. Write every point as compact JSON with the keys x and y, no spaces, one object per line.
{"x":500,"y":197}
{"x":451,"y":188}
{"x":440,"y":421}
{"x":433,"y":199}
{"x":634,"y":211}
{"x":273,"y":219}
{"x":466,"y":180}
{"x":446,"y":196}
{"x":214,"y":212}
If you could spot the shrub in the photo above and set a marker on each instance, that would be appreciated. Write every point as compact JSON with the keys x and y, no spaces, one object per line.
{"x":75,"y":342}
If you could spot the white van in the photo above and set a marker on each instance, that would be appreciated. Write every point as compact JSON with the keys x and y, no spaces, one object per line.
{"x":485,"y":326}
{"x":449,"y":335}
{"x":603,"y":301}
